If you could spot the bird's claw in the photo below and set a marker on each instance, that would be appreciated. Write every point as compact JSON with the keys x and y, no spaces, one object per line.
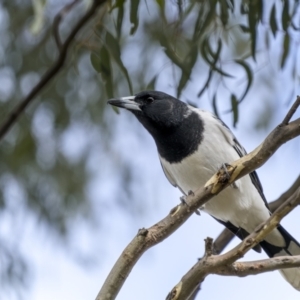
{"x":227,"y":175}
{"x":197,"y":212}
{"x":191,"y":193}
{"x":183,"y":200}
{"x":224,"y":167}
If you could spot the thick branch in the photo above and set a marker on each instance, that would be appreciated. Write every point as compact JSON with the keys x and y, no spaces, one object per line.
{"x":242,"y":269}
{"x":147,"y":238}
{"x":51,"y":72}
{"x":211,"y":264}
{"x":226,"y":235}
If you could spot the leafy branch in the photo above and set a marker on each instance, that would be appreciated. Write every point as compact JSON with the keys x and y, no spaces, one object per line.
{"x":63,"y":48}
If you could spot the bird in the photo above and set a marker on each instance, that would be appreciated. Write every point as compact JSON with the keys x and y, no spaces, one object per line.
{"x":192,"y":144}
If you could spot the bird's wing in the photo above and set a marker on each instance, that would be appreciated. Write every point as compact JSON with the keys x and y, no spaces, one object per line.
{"x":241,"y":152}
{"x":168,"y":175}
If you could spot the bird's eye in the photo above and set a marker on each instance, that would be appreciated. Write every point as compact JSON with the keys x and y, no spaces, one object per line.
{"x":149,"y":100}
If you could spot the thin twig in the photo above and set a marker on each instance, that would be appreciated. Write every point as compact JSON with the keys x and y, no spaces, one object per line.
{"x":51,"y":72}
{"x":57,"y":20}
{"x":291,"y":112}
{"x":281,"y":199}
{"x":242,"y":269}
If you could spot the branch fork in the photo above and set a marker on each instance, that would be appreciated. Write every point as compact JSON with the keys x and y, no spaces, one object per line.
{"x":224,"y":264}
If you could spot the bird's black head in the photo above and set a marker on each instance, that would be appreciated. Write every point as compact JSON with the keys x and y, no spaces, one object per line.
{"x":155,"y":110}
{"x":176,"y":129}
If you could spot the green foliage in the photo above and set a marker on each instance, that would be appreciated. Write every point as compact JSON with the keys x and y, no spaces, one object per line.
{"x":212,"y":22}
{"x":39,"y":20}
{"x":134,"y":6}
{"x":102,"y":65}
{"x":286,"y":49}
{"x":234,"y":105}
{"x":249,"y":74}
{"x":273,"y":22}
{"x":114,"y":49}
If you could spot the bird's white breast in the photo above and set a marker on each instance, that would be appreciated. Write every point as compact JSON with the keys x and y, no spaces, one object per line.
{"x":242,"y":206}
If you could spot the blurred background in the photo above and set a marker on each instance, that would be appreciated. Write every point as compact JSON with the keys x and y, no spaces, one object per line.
{"x":78,"y":179}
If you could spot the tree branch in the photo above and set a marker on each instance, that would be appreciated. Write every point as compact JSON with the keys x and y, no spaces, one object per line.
{"x":57,"y":20}
{"x":147,"y":238}
{"x":242,"y":269}
{"x":211,"y":264}
{"x":226,"y":236}
{"x":276,"y":203}
{"x":291,"y":112}
{"x":52,"y":71}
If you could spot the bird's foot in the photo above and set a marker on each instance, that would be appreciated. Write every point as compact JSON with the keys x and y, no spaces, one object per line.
{"x":224,"y":167}
{"x":227,"y":175}
{"x":197,"y":212}
{"x":191,"y":193}
{"x":183,"y":201}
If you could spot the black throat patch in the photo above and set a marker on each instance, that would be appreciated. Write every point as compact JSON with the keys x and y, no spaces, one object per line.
{"x":182,"y":141}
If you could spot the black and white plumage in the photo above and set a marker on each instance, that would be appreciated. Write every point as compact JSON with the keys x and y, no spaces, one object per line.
{"x":192,"y":145}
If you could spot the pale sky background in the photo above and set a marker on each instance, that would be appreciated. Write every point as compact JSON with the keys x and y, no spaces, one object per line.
{"x":58,"y":275}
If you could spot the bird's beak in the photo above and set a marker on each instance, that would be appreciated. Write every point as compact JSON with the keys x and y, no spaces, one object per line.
{"x":125,"y":102}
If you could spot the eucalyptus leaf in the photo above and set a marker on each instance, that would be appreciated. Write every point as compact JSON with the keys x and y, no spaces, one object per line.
{"x":252,"y":22}
{"x":209,"y":17}
{"x":189,"y":63}
{"x":234,"y":106}
{"x":244,"y":28}
{"x":286,"y":49}
{"x":134,"y":6}
{"x":151,"y":85}
{"x":113,"y":47}
{"x":273,"y":22}
{"x":120,"y":18}
{"x":38,"y":22}
{"x":285,"y":16}
{"x":249,"y":74}
{"x":161,"y":4}
{"x":214,"y":105}
{"x":224,"y":12}
{"x":102,"y":65}
{"x":206,"y":50}
{"x":206,"y":85}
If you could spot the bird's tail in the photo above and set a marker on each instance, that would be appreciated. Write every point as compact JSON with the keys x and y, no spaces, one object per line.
{"x":292,"y":247}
